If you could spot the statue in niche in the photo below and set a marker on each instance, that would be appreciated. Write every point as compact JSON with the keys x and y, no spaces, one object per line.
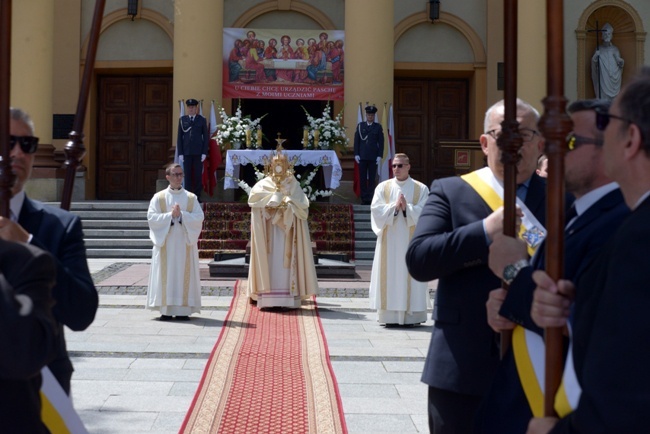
{"x":607,"y":66}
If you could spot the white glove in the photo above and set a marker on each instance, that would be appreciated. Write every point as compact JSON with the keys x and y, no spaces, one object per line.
{"x":378,"y":161}
{"x":357,"y":158}
{"x":180,"y":159}
{"x":202,"y":158}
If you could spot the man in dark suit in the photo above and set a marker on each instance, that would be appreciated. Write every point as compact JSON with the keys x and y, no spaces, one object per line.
{"x":192,"y":145}
{"x":450,"y":243}
{"x":599,"y":210}
{"x":368,"y":150}
{"x":609,"y":317}
{"x":56,"y":231}
{"x":27,"y":334}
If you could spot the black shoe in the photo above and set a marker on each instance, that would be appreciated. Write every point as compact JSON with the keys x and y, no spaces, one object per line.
{"x":182,"y":318}
{"x":165,"y":318}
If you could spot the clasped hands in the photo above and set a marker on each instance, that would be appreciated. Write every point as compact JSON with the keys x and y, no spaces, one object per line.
{"x":176,"y":211}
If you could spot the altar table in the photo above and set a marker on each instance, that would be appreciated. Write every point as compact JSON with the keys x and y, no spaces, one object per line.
{"x":327,"y":159}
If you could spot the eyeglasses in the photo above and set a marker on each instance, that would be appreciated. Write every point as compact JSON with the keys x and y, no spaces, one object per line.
{"x":603,"y":117}
{"x":28,"y":144}
{"x":177,"y":175}
{"x":398,"y":166}
{"x":574,"y":141}
{"x":527,"y":135}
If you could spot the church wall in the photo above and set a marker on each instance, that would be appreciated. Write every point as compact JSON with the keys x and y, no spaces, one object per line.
{"x":134,"y":41}
{"x":422,"y":43}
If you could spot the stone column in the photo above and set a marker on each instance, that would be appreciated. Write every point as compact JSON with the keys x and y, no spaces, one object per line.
{"x":32,"y":59}
{"x":531,"y":53}
{"x":369,"y":43}
{"x":198,"y":42}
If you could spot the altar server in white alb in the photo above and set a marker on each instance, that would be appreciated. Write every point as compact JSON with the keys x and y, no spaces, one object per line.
{"x":175,"y":220}
{"x":395,"y":210}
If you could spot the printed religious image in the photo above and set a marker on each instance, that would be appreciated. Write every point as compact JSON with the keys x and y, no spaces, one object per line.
{"x":283,"y":64}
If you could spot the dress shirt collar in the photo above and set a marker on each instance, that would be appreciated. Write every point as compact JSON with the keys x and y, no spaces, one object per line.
{"x":585,"y":202}
{"x":641,"y":199}
{"x":16,"y":204}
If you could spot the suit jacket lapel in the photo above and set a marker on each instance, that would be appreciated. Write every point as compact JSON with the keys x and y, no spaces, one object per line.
{"x":30,"y":217}
{"x":604,"y":204}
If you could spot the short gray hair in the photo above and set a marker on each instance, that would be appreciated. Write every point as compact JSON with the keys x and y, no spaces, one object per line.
{"x":21,"y":115}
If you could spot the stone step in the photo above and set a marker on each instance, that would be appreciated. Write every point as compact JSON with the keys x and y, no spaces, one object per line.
{"x":116,"y":233}
{"x":118,"y":253}
{"x":96,"y":243}
{"x":113,"y":224}
{"x":364,"y":235}
{"x":364,"y":245}
{"x":112,"y":215}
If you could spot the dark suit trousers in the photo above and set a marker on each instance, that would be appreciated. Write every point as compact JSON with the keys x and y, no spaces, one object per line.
{"x":451,"y":412}
{"x":367,"y":175}
{"x":193,"y":169}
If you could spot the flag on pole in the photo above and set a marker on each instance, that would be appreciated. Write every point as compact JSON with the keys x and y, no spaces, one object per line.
{"x":201,"y":108}
{"x":181,"y":114}
{"x":391,"y":141}
{"x":356,"y":183}
{"x":213,"y":160}
{"x":384,"y":167}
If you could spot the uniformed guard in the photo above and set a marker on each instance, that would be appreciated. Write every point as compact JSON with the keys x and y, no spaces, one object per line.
{"x":368,"y":150}
{"x":192,"y":145}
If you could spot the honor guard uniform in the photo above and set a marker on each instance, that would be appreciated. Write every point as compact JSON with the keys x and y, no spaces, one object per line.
{"x":368,"y":150}
{"x":192,"y":145}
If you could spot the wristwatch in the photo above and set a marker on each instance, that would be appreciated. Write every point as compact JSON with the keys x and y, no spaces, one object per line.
{"x":510,"y":271}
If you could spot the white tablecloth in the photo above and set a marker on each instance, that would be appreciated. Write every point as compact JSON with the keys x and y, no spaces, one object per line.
{"x":327,"y":159}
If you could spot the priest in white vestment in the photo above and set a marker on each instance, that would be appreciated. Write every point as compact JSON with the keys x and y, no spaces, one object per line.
{"x":395,"y":210}
{"x":175,"y":221}
{"x":282,"y":270}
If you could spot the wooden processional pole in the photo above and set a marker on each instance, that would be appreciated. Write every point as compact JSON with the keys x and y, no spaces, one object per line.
{"x":510,"y":141}
{"x":555,"y":124}
{"x":74,"y":150}
{"x":6,"y":176}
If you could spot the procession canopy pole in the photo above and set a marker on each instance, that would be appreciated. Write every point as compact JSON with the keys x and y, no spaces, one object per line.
{"x":6,"y":176}
{"x":74,"y":150}
{"x":555,"y":124}
{"x":510,"y":141}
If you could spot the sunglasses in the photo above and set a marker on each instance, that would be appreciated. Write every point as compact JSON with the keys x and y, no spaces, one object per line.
{"x":527,"y":135}
{"x":398,"y":166}
{"x":574,"y":141}
{"x":28,"y":144}
{"x":177,"y":175}
{"x":603,"y":117}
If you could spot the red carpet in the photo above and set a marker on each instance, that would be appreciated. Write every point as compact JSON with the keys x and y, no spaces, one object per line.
{"x":268,"y":373}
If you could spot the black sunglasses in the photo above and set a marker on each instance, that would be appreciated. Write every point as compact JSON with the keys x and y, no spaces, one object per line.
{"x":574,"y":141}
{"x":398,"y":166}
{"x":603,"y":117}
{"x":28,"y":144}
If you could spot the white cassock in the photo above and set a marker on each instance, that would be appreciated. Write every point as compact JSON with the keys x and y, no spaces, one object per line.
{"x":398,"y":298}
{"x":282,"y":270}
{"x":174,"y":280}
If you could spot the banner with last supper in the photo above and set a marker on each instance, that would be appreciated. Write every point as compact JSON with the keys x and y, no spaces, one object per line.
{"x":283,"y":64}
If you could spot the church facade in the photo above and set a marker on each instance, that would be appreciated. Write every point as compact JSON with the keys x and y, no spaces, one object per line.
{"x":438,"y":64}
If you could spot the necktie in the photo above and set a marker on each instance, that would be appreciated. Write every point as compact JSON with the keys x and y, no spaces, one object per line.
{"x":570,"y":215}
{"x":521,"y":192}
{"x":192,"y":119}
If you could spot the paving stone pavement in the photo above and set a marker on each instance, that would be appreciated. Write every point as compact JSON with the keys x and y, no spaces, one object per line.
{"x":134,"y":374}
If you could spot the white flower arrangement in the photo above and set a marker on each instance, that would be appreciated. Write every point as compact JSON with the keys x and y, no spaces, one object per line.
{"x":233,"y":129}
{"x":305,"y":185}
{"x":325,"y":132}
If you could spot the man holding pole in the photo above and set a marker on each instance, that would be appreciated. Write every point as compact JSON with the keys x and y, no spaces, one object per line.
{"x":599,"y":210}
{"x":606,"y":376}
{"x":460,"y":219}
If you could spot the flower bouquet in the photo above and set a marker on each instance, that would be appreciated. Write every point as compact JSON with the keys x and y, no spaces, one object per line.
{"x":325,"y":132}
{"x":237,"y":130}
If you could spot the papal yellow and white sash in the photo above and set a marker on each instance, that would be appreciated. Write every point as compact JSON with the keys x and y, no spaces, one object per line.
{"x":529,"y":351}
{"x":57,"y":411}
{"x":490,"y":189}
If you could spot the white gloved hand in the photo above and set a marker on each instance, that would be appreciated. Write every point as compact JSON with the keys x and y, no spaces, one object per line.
{"x":180,"y":159}
{"x":202,"y":158}
{"x":378,"y":161}
{"x":357,"y":158}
